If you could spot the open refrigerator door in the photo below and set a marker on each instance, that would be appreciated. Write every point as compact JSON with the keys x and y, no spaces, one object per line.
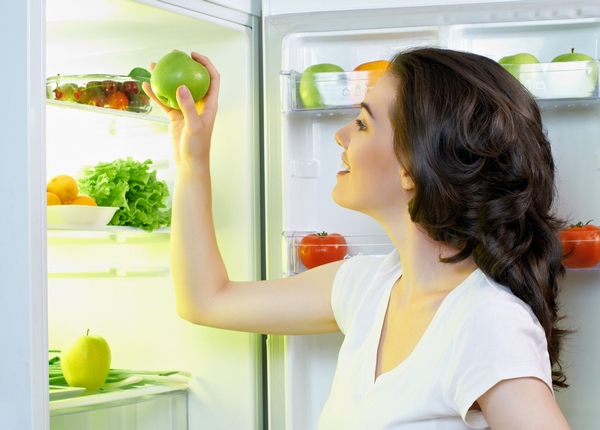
{"x":303,"y":157}
{"x":115,"y":279}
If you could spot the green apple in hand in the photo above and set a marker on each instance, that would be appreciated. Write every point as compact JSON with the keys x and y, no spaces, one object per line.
{"x":176,"y":69}
{"x":85,"y":362}
{"x":311,"y":85}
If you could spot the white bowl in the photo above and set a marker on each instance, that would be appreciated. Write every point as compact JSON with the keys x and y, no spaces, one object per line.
{"x":79,"y":215}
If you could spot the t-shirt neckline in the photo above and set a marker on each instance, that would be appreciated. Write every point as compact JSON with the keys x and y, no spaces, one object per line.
{"x":371,"y":381}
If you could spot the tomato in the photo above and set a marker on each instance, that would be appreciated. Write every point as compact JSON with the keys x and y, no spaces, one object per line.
{"x":322,"y":248}
{"x":581,"y":243}
{"x":117,"y":100}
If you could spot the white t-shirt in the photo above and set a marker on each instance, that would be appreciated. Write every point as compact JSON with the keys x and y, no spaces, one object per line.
{"x":480,"y":335}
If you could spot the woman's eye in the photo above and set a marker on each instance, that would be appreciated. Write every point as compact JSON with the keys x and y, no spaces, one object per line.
{"x":361,"y":125}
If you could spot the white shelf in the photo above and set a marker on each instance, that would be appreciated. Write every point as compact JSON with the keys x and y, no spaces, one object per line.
{"x":110,"y":398}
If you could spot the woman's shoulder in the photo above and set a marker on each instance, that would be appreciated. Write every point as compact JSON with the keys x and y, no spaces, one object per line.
{"x":360,"y":278}
{"x":382,"y":264}
{"x":486,"y":302}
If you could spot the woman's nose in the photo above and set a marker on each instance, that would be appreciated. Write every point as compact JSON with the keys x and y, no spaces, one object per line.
{"x":341,"y":137}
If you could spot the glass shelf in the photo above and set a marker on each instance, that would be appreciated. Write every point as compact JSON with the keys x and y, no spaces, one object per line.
{"x":93,"y":94}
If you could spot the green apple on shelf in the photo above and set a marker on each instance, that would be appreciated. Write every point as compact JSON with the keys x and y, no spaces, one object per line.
{"x":572,"y":56}
{"x":572,"y":75}
{"x":521,"y":58}
{"x":85,"y":361}
{"x":527,"y":69}
{"x":313,"y":88}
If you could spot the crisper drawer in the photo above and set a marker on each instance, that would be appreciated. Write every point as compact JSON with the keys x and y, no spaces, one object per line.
{"x":157,"y":411}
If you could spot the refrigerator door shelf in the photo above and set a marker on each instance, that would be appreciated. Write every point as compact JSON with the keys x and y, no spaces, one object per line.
{"x":356,"y":245}
{"x":326,"y":93}
{"x":554,"y":85}
{"x":558,"y":80}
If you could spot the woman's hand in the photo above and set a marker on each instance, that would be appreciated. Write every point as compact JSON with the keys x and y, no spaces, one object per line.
{"x":192,"y":126}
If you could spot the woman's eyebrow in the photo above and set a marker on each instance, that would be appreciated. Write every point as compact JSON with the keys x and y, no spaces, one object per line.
{"x":367,"y":108}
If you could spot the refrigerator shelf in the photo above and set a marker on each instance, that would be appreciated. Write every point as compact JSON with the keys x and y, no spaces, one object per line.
{"x":115,"y":233}
{"x":151,"y":407}
{"x":111,"y":398}
{"x":108,"y":272}
{"x":356,"y":245}
{"x":93,"y":93}
{"x":105,"y":111}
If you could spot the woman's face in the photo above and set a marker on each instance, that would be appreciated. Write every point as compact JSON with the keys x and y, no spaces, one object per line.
{"x":371,"y":181}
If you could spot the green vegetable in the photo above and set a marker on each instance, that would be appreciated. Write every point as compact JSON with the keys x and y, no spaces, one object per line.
{"x":118,"y":378}
{"x":128,"y":185}
{"x":139,"y":72}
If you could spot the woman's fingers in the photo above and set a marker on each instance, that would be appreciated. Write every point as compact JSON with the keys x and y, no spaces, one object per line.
{"x":188,"y":107}
{"x":211,"y":98}
{"x":148,"y":90}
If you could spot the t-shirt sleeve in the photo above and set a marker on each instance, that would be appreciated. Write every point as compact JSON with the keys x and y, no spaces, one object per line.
{"x":500,"y":341}
{"x":349,"y":287}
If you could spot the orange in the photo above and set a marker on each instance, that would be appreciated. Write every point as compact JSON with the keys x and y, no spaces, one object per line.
{"x":52,"y":199}
{"x":377,"y":69}
{"x":83,"y":200}
{"x":64,"y":186}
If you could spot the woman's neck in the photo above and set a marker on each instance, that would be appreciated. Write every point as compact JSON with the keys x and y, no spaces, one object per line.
{"x":422,"y":270}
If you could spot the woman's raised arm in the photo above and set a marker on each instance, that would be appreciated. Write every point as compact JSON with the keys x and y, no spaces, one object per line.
{"x":204,"y":293}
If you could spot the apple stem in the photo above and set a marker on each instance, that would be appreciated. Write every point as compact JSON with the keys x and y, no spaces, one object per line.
{"x":87,"y":333}
{"x":572,"y":50}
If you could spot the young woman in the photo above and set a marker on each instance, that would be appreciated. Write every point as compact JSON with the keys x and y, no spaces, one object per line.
{"x":455,"y":329}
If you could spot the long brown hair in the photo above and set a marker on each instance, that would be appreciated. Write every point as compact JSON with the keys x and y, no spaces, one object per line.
{"x":471,"y":137}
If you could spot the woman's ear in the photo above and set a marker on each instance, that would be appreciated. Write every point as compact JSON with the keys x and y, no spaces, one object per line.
{"x":407,"y":181}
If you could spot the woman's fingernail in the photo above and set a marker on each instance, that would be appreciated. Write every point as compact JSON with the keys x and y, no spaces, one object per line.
{"x":183,"y":91}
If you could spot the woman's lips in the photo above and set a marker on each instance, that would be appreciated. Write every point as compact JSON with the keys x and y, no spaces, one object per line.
{"x":345,"y":165}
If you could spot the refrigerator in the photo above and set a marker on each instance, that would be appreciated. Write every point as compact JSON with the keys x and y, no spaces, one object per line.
{"x":300,"y":149}
{"x":274,"y":167}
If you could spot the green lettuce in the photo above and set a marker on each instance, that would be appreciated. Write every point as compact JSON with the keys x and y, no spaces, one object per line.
{"x":128,"y":185}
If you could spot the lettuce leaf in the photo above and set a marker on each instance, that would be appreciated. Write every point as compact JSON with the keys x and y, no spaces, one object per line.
{"x":127,"y":184}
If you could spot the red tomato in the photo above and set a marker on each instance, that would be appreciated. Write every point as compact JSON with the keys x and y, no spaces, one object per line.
{"x":581,"y":243}
{"x":117,"y":100}
{"x":322,"y":248}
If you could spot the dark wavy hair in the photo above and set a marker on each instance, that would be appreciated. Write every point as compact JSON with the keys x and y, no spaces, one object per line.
{"x":471,"y":137}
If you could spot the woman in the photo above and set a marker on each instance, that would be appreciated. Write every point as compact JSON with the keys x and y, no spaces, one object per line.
{"x":457,"y":327}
